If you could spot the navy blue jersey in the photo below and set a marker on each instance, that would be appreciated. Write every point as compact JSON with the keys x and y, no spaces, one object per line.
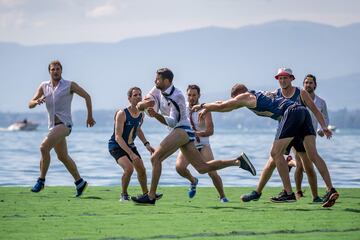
{"x":269,"y":104}
{"x":129,"y":131}
{"x":296,"y":97}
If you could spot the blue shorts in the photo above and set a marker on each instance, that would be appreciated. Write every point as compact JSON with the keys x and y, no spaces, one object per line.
{"x":296,"y":123}
{"x":119,"y":152}
{"x":189,"y":131}
{"x":297,"y":143}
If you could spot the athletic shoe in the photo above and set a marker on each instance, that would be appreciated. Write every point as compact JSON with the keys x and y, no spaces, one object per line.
{"x":299,"y":194}
{"x":246,"y":164}
{"x":39,"y":185}
{"x":80,"y":188}
{"x":143,"y":199}
{"x":253,"y":196}
{"x":284,"y":198}
{"x":158,"y":196}
{"x":124,"y":197}
{"x":330,"y":198}
{"x":317,"y":200}
{"x":224,"y":200}
{"x":192,"y":189}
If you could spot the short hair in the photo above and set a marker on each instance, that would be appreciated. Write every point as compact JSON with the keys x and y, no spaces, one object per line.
{"x":311,"y":76}
{"x":165,"y":73}
{"x":130,"y":91}
{"x":194,"y":86}
{"x":55,"y":62}
{"x":238,"y":89}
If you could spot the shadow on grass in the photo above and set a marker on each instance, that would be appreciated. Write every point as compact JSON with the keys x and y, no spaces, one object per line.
{"x":352,"y":210}
{"x":233,"y":234}
{"x":92,"y":197}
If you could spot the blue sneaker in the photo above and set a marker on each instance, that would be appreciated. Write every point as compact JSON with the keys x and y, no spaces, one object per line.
{"x":39,"y":185}
{"x":253,"y":196}
{"x":143,"y":199}
{"x":192,"y":189}
{"x":80,"y":188}
{"x":224,"y":200}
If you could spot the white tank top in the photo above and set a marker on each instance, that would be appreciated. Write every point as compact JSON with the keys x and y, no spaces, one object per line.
{"x":58,"y":101}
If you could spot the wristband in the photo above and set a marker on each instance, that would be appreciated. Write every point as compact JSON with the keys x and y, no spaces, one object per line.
{"x":146,"y":143}
{"x":202,"y":105}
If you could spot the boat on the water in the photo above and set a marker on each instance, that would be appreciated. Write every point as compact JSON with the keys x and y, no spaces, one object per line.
{"x":24,"y":125}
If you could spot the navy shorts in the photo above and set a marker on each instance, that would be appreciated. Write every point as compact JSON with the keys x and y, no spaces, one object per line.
{"x":119,"y":152}
{"x":296,"y":123}
{"x":297,"y":143}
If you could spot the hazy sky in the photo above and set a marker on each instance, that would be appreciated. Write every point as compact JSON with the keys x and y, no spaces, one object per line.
{"x":34,"y":22}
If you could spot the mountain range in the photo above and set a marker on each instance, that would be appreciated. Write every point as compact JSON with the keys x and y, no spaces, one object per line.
{"x":214,"y":58}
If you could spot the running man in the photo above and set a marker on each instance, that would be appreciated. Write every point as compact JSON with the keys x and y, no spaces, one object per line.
{"x":121,"y":144}
{"x":181,"y":136}
{"x":57,"y":94}
{"x":203,"y":130}
{"x":295,"y":122}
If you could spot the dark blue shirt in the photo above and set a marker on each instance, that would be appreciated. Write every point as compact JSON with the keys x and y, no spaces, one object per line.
{"x":129,"y":131}
{"x":269,"y":104}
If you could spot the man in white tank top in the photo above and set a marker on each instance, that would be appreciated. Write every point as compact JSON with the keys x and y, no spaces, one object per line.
{"x":57,"y":94}
{"x":310,"y":84}
{"x":203,"y":129}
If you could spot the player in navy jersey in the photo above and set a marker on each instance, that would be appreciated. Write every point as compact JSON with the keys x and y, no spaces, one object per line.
{"x":121,"y":145}
{"x":295,"y":122}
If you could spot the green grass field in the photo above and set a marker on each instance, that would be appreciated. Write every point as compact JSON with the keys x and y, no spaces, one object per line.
{"x":55,"y":214}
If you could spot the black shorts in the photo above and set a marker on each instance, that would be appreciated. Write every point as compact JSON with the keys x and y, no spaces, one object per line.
{"x":119,"y":152}
{"x":296,"y":123}
{"x":297,"y":143}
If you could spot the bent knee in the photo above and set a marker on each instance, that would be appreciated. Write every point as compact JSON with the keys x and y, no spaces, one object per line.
{"x":44,"y":148}
{"x":213,"y":174}
{"x":128,"y":170}
{"x":202,"y":170}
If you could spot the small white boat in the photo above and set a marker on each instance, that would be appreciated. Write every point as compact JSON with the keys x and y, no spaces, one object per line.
{"x":332,"y":127}
{"x":23,"y":126}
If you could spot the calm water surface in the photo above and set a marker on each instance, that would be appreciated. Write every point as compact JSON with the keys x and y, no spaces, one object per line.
{"x":19,"y":157}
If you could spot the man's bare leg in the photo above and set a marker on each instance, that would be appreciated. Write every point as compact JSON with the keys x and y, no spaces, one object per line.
{"x":216,"y":179}
{"x":276,"y":153}
{"x":298,"y":175}
{"x":57,"y":134}
{"x":266,"y":175}
{"x":62,"y":154}
{"x":168,"y":146}
{"x":141,"y":174}
{"x":310,"y":172}
{"x":310,"y":147}
{"x":128,"y":169}
{"x":181,"y":168}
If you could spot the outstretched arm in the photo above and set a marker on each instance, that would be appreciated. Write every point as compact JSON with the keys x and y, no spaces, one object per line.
{"x":241,"y":100}
{"x":38,"y":98}
{"x":75,"y":88}
{"x":305,"y":96}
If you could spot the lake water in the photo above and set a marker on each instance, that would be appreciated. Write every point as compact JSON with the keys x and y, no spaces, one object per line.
{"x":19,"y":157}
